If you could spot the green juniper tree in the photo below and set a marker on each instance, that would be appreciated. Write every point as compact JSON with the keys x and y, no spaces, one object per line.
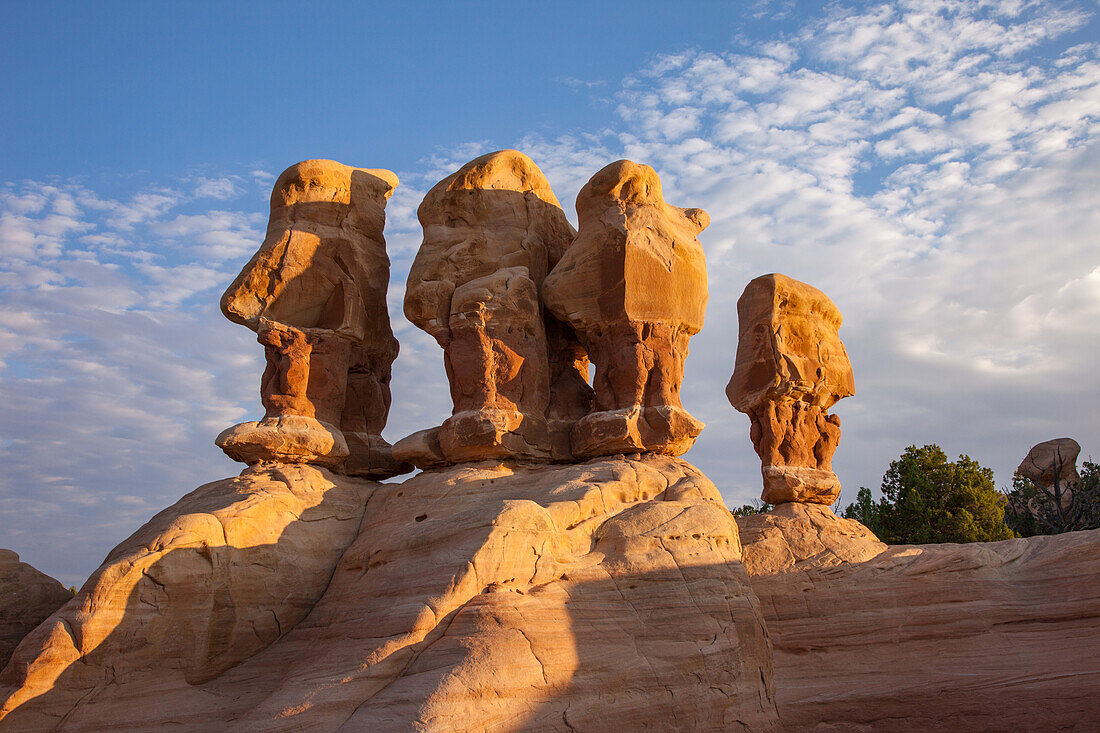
{"x":928,"y":499}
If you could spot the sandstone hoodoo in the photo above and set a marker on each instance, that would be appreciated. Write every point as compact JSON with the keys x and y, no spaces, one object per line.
{"x":492,"y":231}
{"x":315,"y":293}
{"x":633,"y":284}
{"x":559,"y":567}
{"x":791,"y":368}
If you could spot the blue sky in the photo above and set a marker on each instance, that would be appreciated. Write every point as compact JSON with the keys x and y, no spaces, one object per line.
{"x":931,"y":165}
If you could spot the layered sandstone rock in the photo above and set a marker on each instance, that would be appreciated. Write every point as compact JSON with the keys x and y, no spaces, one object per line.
{"x":492,"y":231}
{"x":797,"y":536}
{"x":204,"y":585}
{"x":791,"y":368}
{"x":315,"y":293}
{"x":27,"y":597}
{"x":1052,"y":466}
{"x":984,"y":636}
{"x":611,"y":592}
{"x":633,"y":285}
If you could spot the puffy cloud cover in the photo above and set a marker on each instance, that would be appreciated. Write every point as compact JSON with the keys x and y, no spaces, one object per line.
{"x":932,"y":166}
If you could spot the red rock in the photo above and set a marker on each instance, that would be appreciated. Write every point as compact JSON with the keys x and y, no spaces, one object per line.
{"x":633,"y":285}
{"x":791,"y":368}
{"x":315,"y":293}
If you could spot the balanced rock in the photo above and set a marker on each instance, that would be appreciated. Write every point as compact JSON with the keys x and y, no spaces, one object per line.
{"x":315,"y":293}
{"x":1052,"y":466}
{"x":791,"y":368}
{"x":503,"y":596}
{"x":27,"y":597}
{"x":633,"y":284}
{"x":492,"y":230}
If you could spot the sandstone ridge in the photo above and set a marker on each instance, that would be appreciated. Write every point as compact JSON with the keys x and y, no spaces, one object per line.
{"x":609,"y":590}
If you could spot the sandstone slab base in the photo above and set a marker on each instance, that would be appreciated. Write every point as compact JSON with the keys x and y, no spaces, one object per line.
{"x":480,"y":597}
{"x":1000,"y":636}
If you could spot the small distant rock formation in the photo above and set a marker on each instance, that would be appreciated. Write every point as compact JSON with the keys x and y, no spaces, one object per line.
{"x":633,"y":285}
{"x":492,"y":231}
{"x":27,"y":597}
{"x":315,"y":294}
{"x":791,"y":368}
{"x":1052,"y":466}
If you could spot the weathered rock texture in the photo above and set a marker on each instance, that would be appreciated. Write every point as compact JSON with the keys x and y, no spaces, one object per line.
{"x":480,"y":597}
{"x":633,"y":285}
{"x":796,"y":536}
{"x":315,"y":293}
{"x":492,"y":231}
{"x":1051,"y":464}
{"x":995,"y":636}
{"x":206,"y":584}
{"x":27,"y":597}
{"x":791,"y":368}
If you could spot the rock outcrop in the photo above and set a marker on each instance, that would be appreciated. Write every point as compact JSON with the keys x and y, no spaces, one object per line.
{"x":984,"y":636}
{"x":27,"y":597}
{"x":633,"y":284}
{"x":204,"y":585}
{"x":797,"y":536}
{"x":1052,"y":466}
{"x":791,"y":368}
{"x":611,"y":591}
{"x":315,"y":293}
{"x":492,"y":231}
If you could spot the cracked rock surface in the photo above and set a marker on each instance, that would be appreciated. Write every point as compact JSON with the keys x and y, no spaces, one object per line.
{"x":486,"y":596}
{"x":982,"y":636}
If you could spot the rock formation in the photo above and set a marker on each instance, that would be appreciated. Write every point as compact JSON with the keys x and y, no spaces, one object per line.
{"x":610,"y":591}
{"x":1052,"y":464}
{"x":315,"y":293}
{"x":791,"y":368}
{"x":27,"y":597}
{"x":492,"y":230}
{"x":204,"y":585}
{"x":982,"y":636}
{"x":633,"y":285}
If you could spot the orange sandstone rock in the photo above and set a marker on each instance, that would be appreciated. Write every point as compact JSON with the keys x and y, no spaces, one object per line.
{"x":315,"y":293}
{"x":791,"y":368}
{"x":492,"y":230}
{"x":633,"y":285}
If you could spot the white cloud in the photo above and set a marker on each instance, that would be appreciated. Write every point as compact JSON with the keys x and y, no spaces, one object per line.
{"x":932,"y":166}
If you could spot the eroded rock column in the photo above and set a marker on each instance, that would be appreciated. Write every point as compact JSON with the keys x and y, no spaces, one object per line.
{"x":315,"y":293}
{"x":633,"y":285}
{"x":791,"y":368}
{"x":492,"y":231}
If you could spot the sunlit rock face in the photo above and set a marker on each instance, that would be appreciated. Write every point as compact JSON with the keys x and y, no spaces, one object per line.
{"x":982,"y":636}
{"x":492,"y":231}
{"x":487,"y":596}
{"x":633,"y":284}
{"x":791,"y":367}
{"x":315,"y":293}
{"x":27,"y":597}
